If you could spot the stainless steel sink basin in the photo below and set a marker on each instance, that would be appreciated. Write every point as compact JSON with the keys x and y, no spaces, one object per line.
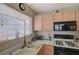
{"x":25,"y":51}
{"x":34,"y":45}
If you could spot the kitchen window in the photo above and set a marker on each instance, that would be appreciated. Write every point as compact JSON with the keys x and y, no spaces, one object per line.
{"x":28,"y":24}
{"x":13,"y":24}
{"x":11,"y":27}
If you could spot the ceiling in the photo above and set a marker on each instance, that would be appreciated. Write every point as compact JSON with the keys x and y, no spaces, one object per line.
{"x":47,"y":7}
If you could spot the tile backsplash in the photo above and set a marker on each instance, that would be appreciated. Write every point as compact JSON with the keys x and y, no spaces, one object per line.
{"x":46,"y":34}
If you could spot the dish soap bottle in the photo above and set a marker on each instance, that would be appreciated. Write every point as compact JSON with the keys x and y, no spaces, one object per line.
{"x":50,"y":38}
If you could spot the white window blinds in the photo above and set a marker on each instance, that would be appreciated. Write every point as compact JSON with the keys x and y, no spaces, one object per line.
{"x":13,"y":24}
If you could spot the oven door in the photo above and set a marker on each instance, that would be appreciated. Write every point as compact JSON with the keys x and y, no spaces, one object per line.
{"x":65,"y":51}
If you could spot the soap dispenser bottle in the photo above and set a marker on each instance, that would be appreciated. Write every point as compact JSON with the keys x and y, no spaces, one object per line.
{"x":50,"y":38}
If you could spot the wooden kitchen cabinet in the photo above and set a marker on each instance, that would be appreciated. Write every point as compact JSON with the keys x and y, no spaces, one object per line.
{"x":38,"y":23}
{"x":49,"y":49}
{"x":41,"y":51}
{"x":70,"y":15}
{"x":43,"y":23}
{"x":78,"y":26}
{"x":47,"y":22}
{"x":46,"y":50}
{"x":77,"y":18}
{"x":77,"y":13}
{"x":58,"y":16}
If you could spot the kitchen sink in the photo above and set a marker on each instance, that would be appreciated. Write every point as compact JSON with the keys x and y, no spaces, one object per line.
{"x":24,"y":51}
{"x":34,"y":45}
{"x":30,"y":49}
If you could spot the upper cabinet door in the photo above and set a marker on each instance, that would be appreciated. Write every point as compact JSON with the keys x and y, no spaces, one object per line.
{"x":38,"y":23}
{"x":77,"y":19}
{"x":58,"y":16}
{"x":70,"y":15}
{"x":47,"y":22}
{"x":77,"y":15}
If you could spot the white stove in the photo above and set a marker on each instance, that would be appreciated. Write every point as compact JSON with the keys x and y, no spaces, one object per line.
{"x":65,"y":43}
{"x":59,"y":42}
{"x":71,"y":44}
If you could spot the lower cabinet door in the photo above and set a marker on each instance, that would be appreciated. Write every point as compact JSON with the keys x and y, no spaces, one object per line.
{"x":46,"y":50}
{"x":41,"y":51}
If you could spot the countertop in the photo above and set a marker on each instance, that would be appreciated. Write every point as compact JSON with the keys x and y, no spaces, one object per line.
{"x":34,"y":47}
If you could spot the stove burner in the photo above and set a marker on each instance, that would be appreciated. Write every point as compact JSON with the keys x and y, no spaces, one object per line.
{"x":59,"y":43}
{"x":71,"y":44}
